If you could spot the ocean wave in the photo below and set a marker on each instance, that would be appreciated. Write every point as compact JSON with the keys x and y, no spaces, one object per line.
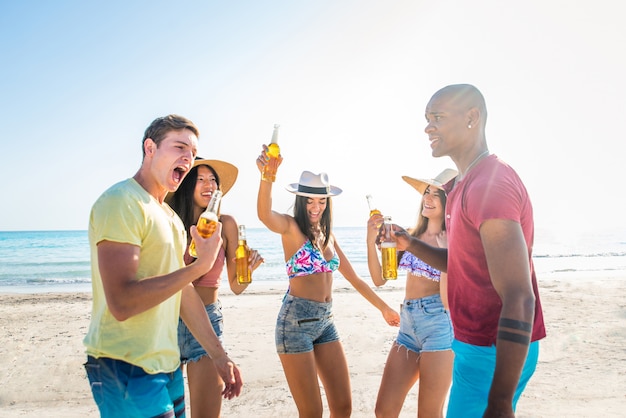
{"x":582,"y":255}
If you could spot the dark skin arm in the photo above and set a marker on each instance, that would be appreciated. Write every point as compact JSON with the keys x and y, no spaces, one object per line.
{"x":507,"y":260}
{"x":436,"y":257}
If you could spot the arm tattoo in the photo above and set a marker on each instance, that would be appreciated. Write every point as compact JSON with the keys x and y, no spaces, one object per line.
{"x":513,"y":337}
{"x":515,"y":324}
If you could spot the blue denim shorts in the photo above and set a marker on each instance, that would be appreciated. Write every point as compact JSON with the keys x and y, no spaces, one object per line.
{"x":303,"y":323}
{"x":425,"y":325}
{"x":472,"y":374}
{"x":121,"y":389}
{"x":190,"y":348}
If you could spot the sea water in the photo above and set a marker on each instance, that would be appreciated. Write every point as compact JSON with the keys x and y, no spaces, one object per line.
{"x":41,"y":261}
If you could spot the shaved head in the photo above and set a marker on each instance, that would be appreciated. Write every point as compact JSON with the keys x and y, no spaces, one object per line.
{"x":464,"y":97}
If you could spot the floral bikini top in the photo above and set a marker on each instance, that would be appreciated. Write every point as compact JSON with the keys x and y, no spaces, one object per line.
{"x":310,"y":260}
{"x":416,"y":266}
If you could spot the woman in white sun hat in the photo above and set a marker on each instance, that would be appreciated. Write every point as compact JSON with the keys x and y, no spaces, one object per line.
{"x":307,"y":341}
{"x":189,"y":201}
{"x":423,"y":347}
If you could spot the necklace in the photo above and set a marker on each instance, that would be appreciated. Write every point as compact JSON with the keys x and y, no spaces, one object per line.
{"x":470,"y":166}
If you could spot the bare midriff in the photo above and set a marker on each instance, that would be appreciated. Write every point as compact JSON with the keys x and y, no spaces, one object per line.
{"x":317,"y":287}
{"x":207,"y":294}
{"x":418,"y":287}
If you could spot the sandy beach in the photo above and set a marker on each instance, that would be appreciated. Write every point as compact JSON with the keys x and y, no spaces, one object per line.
{"x":581,"y":372}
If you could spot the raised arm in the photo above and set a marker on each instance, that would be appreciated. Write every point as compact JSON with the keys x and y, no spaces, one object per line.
{"x":126,"y":296}
{"x":274,"y":221}
{"x":345,"y":268}
{"x":507,"y":260}
{"x":373,"y":263}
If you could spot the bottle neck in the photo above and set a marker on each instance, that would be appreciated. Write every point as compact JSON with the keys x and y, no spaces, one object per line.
{"x":214,"y":203}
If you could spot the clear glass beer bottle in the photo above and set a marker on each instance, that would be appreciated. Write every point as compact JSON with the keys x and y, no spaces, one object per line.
{"x":244,"y":275}
{"x":273,"y":151}
{"x":371,"y":205}
{"x":208,"y":220}
{"x":389,"y":253}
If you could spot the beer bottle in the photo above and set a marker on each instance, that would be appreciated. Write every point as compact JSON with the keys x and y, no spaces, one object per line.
{"x":208,"y":220}
{"x":273,"y":151}
{"x":371,"y":205}
{"x":244,"y":275}
{"x":389,"y":254}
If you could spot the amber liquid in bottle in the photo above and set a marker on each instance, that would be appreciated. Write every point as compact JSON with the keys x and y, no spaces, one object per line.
{"x":208,"y":221}
{"x":389,"y":253}
{"x":244,"y":275}
{"x":273,"y":151}
{"x":370,"y":204}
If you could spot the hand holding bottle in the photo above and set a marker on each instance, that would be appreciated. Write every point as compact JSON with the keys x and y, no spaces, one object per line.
{"x":271,"y":158}
{"x":254,"y":259}
{"x":208,"y":220}
{"x":374,"y":230}
{"x":401,"y":237}
{"x":207,"y":249}
{"x":266,"y":163}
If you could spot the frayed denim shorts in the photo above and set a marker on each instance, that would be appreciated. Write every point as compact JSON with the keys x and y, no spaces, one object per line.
{"x":425,"y":325}
{"x":303,"y":323}
{"x":122,"y":389}
{"x":190,"y":348}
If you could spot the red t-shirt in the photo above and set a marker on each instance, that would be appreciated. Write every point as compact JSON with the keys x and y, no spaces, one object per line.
{"x":491,"y":190}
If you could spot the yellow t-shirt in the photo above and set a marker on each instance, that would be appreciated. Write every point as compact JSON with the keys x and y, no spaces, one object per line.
{"x":127,"y":213}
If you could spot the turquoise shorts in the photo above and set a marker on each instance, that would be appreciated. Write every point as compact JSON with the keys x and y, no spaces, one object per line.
{"x":473,"y":371}
{"x":122,"y":389}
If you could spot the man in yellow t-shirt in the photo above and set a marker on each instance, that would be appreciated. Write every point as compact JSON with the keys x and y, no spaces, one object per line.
{"x":141,"y":285}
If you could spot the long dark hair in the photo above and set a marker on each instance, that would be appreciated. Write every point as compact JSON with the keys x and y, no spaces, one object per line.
{"x":302,"y":219}
{"x":182,"y":201}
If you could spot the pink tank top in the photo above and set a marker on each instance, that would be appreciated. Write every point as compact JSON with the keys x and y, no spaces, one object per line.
{"x":214,"y":276}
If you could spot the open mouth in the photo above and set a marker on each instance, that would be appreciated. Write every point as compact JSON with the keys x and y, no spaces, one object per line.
{"x":179,"y":174}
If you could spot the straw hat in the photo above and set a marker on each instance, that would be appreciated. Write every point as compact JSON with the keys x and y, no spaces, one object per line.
{"x":313,"y":185}
{"x":226,"y":172}
{"x":442,"y":178}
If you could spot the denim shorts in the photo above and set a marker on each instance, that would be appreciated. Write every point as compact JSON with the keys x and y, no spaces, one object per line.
{"x":472,"y":375}
{"x":303,"y":323}
{"x":425,"y":325}
{"x":121,"y":389}
{"x":190,"y":348}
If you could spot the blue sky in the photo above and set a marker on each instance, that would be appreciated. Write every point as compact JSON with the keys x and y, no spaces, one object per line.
{"x":347,"y":80}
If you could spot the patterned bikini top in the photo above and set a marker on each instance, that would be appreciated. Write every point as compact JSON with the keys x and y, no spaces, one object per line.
{"x":310,"y":260}
{"x":417,"y":267}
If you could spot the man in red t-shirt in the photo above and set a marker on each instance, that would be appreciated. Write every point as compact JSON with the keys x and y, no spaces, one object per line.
{"x":492,"y":287}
